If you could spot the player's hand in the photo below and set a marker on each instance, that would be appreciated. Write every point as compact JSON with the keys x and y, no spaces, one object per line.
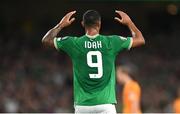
{"x":125,"y":19}
{"x":67,"y":20}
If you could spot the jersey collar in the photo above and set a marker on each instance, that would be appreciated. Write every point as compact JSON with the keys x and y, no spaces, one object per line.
{"x":92,"y":37}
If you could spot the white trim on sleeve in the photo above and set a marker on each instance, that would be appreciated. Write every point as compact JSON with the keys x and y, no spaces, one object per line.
{"x":130,"y":45}
{"x":55,"y":43}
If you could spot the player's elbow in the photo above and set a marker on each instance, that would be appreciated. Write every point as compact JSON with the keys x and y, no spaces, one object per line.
{"x":142,"y":40}
{"x":47,"y":37}
{"x":43,"y":40}
{"x":138,"y":41}
{"x":48,"y":42}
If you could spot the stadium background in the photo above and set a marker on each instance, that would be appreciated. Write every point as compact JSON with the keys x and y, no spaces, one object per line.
{"x":37,"y":79}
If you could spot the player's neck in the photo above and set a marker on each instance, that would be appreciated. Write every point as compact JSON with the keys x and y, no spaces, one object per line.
{"x":127,"y":80}
{"x":92,"y":31}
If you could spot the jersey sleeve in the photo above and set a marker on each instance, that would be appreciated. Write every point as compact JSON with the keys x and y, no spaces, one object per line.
{"x":121,"y":43}
{"x":64,"y":43}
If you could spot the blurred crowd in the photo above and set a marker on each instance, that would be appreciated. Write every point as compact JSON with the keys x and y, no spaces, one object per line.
{"x":159,"y":80}
{"x":31,"y":83}
{"x":37,"y":79}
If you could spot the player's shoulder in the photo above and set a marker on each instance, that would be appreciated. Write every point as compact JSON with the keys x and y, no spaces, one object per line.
{"x":78,"y":37}
{"x":68,"y":38}
{"x":63,"y":38}
{"x":114,"y":37}
{"x":108,"y":36}
{"x":134,"y":85}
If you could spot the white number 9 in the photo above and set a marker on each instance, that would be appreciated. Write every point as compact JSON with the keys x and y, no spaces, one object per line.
{"x":98,"y":64}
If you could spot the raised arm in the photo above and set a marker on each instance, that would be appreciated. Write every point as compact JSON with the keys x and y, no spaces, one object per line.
{"x":48,"y":39}
{"x":138,"y":38}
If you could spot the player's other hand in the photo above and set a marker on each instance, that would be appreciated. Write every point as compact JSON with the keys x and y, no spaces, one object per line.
{"x":67,"y":19}
{"x":125,"y":19}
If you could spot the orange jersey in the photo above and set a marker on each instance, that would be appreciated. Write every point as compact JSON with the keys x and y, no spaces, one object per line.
{"x":131,"y":97}
{"x":176,"y":105}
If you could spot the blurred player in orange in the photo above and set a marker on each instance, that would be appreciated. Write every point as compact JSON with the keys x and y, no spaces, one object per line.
{"x":131,"y":90}
{"x":176,"y":103}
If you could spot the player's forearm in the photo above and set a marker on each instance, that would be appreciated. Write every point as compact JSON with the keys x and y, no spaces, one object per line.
{"x":138,"y":38}
{"x":50,"y":35}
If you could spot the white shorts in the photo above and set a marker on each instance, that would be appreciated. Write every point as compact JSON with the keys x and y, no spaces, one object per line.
{"x":102,"y":109}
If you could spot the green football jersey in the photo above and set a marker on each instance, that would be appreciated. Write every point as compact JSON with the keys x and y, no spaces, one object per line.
{"x":93,"y":66}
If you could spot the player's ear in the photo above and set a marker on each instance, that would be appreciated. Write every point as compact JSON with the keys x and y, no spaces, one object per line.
{"x":99,"y":23}
{"x":82,"y":23}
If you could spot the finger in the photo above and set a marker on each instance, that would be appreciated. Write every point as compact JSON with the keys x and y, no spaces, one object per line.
{"x":71,"y":13}
{"x":117,"y":19}
{"x":119,"y":12}
{"x":72,"y":20}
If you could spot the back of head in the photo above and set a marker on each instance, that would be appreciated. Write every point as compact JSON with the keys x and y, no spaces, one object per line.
{"x":129,"y":69}
{"x":91,"y":18}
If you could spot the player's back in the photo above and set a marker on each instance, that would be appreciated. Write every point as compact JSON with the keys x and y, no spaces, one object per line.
{"x":93,"y":66}
{"x":94,"y":73}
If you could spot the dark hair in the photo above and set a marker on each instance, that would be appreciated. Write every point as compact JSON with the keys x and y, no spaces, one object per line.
{"x":90,"y":18}
{"x":130,"y":69}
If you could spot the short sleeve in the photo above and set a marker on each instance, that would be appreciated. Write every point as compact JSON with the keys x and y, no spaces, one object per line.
{"x":121,"y":43}
{"x":63,"y":43}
